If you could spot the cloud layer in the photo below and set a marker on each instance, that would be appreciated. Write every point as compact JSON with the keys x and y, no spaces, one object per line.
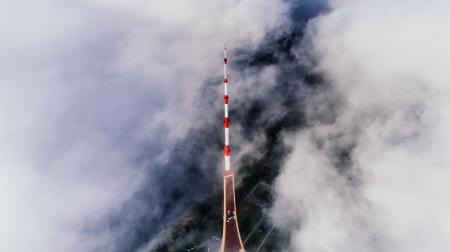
{"x":107,"y":109}
{"x":371,"y":171}
{"x":93,"y":96}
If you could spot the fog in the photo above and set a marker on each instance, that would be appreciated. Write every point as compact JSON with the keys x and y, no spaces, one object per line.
{"x":93,"y":96}
{"x":370,"y":172}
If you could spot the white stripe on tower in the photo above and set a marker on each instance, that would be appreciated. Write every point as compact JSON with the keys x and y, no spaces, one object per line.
{"x":226,"y":120}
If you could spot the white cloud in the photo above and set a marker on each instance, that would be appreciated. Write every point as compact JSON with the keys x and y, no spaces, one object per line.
{"x":388,"y":62}
{"x":82,"y":86}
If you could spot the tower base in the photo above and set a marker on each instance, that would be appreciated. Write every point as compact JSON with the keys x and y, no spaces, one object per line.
{"x":231,"y":238}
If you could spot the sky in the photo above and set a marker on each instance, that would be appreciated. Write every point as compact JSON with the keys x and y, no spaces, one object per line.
{"x":108,"y":109}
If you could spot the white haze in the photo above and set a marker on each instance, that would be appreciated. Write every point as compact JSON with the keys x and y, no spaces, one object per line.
{"x":83,"y":86}
{"x":388,"y":64}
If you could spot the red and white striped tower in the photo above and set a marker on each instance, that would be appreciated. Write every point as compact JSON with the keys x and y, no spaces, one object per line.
{"x":226,"y":120}
{"x":231,"y":238}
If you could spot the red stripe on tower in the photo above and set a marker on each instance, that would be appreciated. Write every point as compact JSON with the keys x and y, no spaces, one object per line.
{"x":226,"y":122}
{"x":226,"y":150}
{"x":225,"y":99}
{"x":225,"y":61}
{"x":225,"y":80}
